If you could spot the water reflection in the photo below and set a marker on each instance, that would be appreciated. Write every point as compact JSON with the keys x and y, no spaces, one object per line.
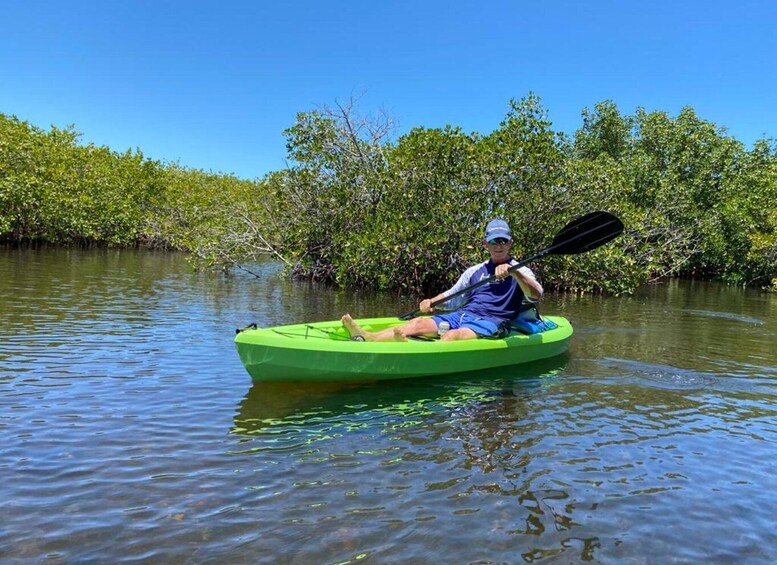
{"x":130,"y":431}
{"x":306,"y":404}
{"x":547,"y":461}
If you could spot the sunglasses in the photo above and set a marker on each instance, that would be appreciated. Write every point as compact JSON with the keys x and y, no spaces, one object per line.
{"x":498,"y":241}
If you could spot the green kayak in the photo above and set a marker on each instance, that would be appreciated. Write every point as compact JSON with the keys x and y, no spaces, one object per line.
{"x":322,"y":351}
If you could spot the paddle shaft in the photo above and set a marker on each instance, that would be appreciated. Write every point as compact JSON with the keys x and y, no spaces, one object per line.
{"x":547,"y":251}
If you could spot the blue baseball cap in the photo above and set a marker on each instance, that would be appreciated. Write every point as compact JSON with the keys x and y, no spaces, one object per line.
{"x":497,"y":228}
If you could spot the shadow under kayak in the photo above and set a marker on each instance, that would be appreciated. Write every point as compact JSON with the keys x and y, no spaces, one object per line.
{"x":322,"y":351}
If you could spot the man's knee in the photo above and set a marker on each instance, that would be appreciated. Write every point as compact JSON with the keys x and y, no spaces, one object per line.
{"x":461,"y":333}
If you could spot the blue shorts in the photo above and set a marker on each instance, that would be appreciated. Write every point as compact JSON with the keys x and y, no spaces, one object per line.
{"x":481,"y":326}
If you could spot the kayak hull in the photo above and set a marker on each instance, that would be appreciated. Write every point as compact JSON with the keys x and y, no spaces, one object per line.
{"x":322,"y":351}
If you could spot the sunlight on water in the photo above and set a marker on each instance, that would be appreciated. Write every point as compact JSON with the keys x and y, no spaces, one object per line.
{"x":131,"y":433}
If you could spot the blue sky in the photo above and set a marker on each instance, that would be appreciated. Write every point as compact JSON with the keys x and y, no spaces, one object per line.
{"x":213,"y":85}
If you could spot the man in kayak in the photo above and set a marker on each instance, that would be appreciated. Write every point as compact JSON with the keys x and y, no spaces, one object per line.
{"x":485,"y":308}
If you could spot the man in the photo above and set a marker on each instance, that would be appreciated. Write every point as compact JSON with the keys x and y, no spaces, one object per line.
{"x":484,"y":309}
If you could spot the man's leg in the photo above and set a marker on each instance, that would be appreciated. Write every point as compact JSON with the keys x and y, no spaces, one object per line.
{"x":417,"y":326}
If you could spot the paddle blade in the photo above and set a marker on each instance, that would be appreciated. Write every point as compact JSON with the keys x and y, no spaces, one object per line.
{"x":586,"y":233}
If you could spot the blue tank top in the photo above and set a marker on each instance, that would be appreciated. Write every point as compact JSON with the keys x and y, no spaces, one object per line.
{"x":496,"y":301}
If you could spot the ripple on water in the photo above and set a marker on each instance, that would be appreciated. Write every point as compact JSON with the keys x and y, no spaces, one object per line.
{"x":726,"y":316}
{"x":131,"y":432}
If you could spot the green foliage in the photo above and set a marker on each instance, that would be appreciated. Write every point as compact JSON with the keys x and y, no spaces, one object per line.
{"x":426,"y":176}
{"x":408,"y":215}
{"x":703,"y":200}
{"x":54,"y":189}
{"x":357,"y":209}
{"x":604,"y":132}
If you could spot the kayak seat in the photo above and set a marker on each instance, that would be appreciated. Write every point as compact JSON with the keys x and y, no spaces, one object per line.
{"x":531,"y":327}
{"x":528,"y":322}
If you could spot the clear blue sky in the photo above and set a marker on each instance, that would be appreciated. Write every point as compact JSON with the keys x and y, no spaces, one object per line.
{"x":214,"y":84}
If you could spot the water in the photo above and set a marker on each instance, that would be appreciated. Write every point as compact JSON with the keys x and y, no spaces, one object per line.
{"x":130,"y":433}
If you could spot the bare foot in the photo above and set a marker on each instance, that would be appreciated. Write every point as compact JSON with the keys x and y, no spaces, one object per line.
{"x":353,"y":328}
{"x":398,"y":335}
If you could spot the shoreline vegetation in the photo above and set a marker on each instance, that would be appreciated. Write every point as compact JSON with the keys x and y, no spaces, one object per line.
{"x":356,"y":208}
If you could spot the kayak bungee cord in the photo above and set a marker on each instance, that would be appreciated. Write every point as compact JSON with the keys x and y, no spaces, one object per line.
{"x":329,"y":334}
{"x":306,"y":336}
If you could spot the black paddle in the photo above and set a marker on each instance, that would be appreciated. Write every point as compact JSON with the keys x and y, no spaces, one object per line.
{"x":578,"y":236}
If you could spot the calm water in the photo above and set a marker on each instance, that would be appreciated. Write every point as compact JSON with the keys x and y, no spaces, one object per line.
{"x":130,"y":433}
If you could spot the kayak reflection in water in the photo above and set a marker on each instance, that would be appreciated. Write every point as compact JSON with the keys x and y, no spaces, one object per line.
{"x":483,"y":310}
